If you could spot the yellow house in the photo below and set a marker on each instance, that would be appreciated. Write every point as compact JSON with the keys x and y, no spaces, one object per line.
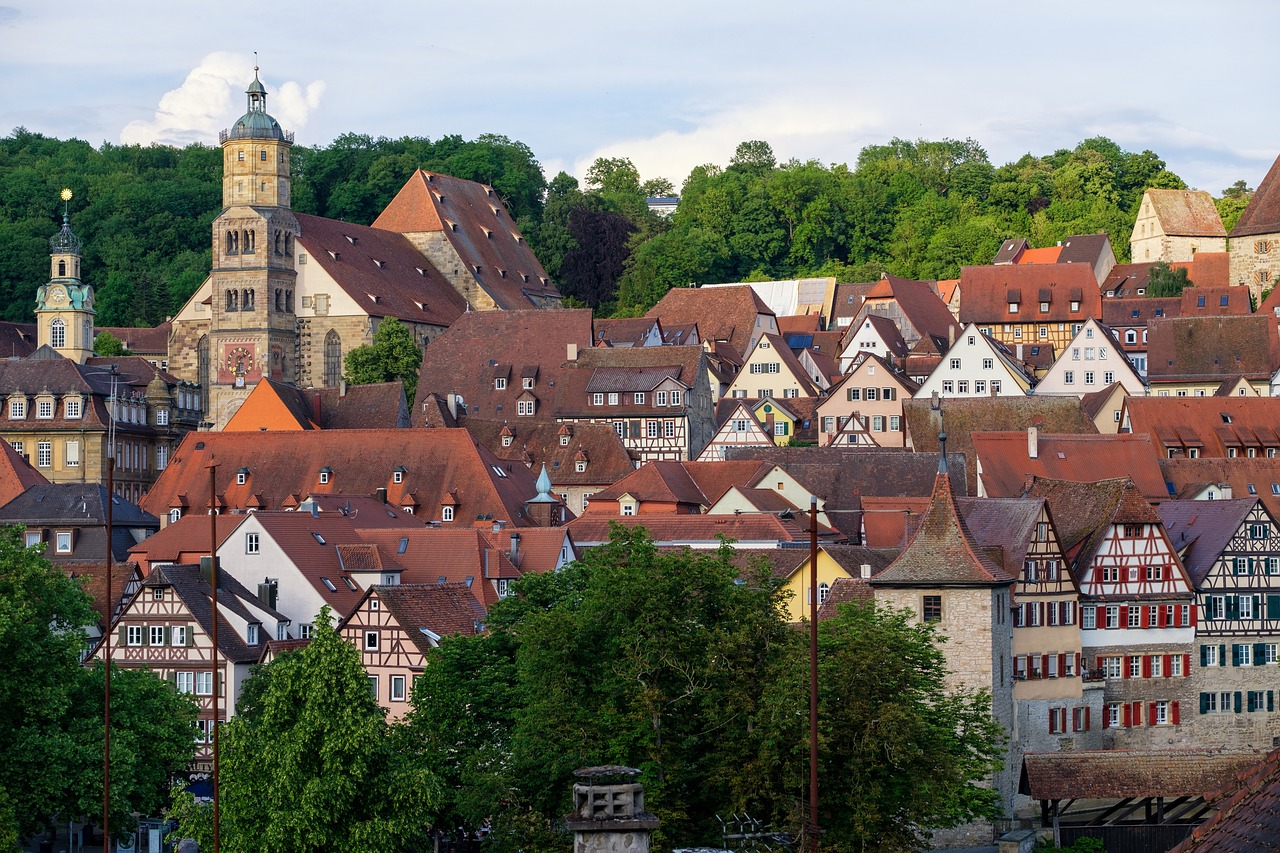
{"x":834,"y":562}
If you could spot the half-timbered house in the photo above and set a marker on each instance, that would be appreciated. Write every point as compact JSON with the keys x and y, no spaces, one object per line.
{"x":1231,"y":549}
{"x":167,"y":627}
{"x":871,"y":395}
{"x":1137,"y":613}
{"x":395,"y":627}
{"x":738,"y":428}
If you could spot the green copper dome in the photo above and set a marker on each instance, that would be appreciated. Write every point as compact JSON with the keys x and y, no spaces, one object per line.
{"x":256,"y":123}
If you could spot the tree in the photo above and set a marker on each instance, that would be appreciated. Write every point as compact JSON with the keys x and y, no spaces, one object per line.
{"x":392,"y":355}
{"x":108,"y":345}
{"x":1166,"y":281}
{"x":898,"y":755}
{"x":314,"y":765}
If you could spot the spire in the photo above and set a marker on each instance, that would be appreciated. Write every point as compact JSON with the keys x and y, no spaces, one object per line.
{"x":65,"y":242}
{"x":942,"y":457}
{"x":544,"y":488}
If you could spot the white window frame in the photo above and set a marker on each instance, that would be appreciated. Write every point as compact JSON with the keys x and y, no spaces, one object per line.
{"x":399,"y":692}
{"x":155,"y":635}
{"x":185,"y":682}
{"x":252,"y":543}
{"x":371,"y":641}
{"x":204,"y":683}
{"x":446,"y":513}
{"x":133,"y":635}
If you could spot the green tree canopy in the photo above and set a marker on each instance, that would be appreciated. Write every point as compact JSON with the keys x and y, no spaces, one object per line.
{"x":1166,"y":281}
{"x":313,"y":765}
{"x":107,"y":344}
{"x":392,"y":355}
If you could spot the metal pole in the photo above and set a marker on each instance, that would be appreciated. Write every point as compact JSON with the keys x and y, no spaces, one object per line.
{"x":213,"y":583}
{"x":106,"y":659}
{"x":813,"y":675}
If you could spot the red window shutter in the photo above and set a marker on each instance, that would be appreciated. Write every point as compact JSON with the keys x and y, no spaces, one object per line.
{"x":1174,"y":713}
{"x":1053,"y":721}
{"x":1137,"y":713}
{"x":1151,"y":714}
{"x":1127,"y":719}
{"x":1186,"y":665}
{"x":1146,"y":666}
{"x":1086,"y":718}
{"x":1168,"y":666}
{"x":1078,"y":662}
{"x":1062,"y":664}
{"x":1044,"y":666}
{"x":1124,"y":616}
{"x":1195,"y":610}
{"x":1106,"y":717}
{"x":1160,"y":617}
{"x":1124,"y":663}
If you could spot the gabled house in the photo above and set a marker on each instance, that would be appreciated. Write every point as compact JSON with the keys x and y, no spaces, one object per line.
{"x":1255,"y":239}
{"x":913,"y":306}
{"x":738,"y":428}
{"x":1231,"y":549}
{"x":274,"y":405}
{"x":1030,"y":304}
{"x":1106,"y":407}
{"x":1007,"y":459}
{"x":1176,"y":225}
{"x":1091,"y":361}
{"x":395,"y":627}
{"x":976,"y":365}
{"x":1191,"y":356}
{"x":687,"y":488}
{"x":835,"y":563}
{"x":944,"y":576}
{"x":877,"y":334}
{"x":848,"y":302}
{"x":183,"y":542}
{"x":1219,"y":478}
{"x":70,"y":521}
{"x":734,"y":315}
{"x":870,"y":398}
{"x":167,"y":628}
{"x":1093,"y":250}
{"x":793,"y":297}
{"x":1137,"y":608}
{"x":628,"y":332}
{"x":771,"y":369}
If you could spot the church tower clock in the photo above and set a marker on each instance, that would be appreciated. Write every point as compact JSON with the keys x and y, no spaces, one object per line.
{"x":64,"y":306}
{"x":254,"y":328}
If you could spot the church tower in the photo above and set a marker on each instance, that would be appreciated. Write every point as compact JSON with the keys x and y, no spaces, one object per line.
{"x":253,"y":332}
{"x":64,"y":306}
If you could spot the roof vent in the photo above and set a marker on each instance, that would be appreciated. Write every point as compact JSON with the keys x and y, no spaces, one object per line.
{"x":350,"y":239}
{"x":334,"y":255}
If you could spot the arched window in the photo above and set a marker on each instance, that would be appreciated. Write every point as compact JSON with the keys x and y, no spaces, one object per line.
{"x":246,"y":299}
{"x":231,"y":301}
{"x":233,"y":243}
{"x":202,"y":370}
{"x":279,"y":242}
{"x":288,"y":301}
{"x":288,"y":243}
{"x":279,"y":299}
{"x":57,"y":333}
{"x":332,"y":359}
{"x":1130,"y":336}
{"x":62,"y":269}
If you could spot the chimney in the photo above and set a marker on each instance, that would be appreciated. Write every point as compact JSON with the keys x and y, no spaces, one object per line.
{"x":515,"y":548}
{"x":381,"y":493}
{"x":864,"y":570}
{"x":342,"y":388}
{"x":1017,"y":351}
{"x":1033,"y":442}
{"x":572,"y":352}
{"x":451,"y":399}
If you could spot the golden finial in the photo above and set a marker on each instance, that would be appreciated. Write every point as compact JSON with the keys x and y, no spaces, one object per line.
{"x":66,"y":195}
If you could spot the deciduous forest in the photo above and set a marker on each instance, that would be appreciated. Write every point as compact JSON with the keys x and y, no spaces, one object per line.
{"x":920,"y":209}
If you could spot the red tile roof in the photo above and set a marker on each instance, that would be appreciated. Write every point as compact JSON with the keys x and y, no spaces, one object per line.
{"x":1192,"y":476}
{"x":888,"y":522}
{"x":474,"y":221}
{"x":316,"y":545}
{"x":1120,"y":773}
{"x":1187,"y":213}
{"x":381,"y":271}
{"x":1262,"y":216}
{"x":590,"y":529}
{"x":537,"y":443}
{"x":16,"y":474}
{"x":1207,"y":269}
{"x":1215,"y":301}
{"x":444,"y":609}
{"x":722,"y":313}
{"x":458,"y":556}
{"x":919,"y":303}
{"x":1004,"y":458}
{"x":437,"y":462}
{"x":942,"y":552}
{"x":987,"y":292}
{"x":141,"y":341}
{"x":185,"y":540}
{"x":1213,"y":425}
{"x":1047,"y":255}
{"x":1247,"y":819}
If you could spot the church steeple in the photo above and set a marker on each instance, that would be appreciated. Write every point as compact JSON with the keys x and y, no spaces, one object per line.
{"x":64,"y":305}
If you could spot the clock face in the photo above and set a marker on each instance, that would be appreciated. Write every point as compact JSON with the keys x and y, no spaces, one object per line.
{"x":239,"y":364}
{"x":57,"y":296}
{"x":240,"y":360}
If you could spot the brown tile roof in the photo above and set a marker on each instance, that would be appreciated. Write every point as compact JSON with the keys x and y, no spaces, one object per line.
{"x":318,"y":545}
{"x":635,"y":365}
{"x":1003,"y":527}
{"x":1120,"y":773}
{"x":1213,"y":425}
{"x":1200,"y":530}
{"x":381,"y":271}
{"x":843,"y":591}
{"x":964,"y":416}
{"x":92,"y":577}
{"x":380,"y":405}
{"x":1010,"y":250}
{"x":1139,"y":310}
{"x":537,"y":548}
{"x":1006,"y":462}
{"x":1207,"y":269}
{"x":1191,"y":476}
{"x":185,"y":540}
{"x":722,"y":313}
{"x":444,"y":609}
{"x":193,"y":590}
{"x":624,"y":331}
{"x":16,"y":474}
{"x":798,"y":324}
{"x":366,"y":512}
{"x":475,"y":222}
{"x":1127,"y":279}
{"x":849,"y":299}
{"x":1247,"y":819}
{"x":1262,"y":216}
{"x":457,"y":556}
{"x":889,"y":333}
{"x":888,"y":522}
{"x":1215,"y":301}
{"x":1082,"y":512}
{"x":17,"y":339}
{"x":433,"y":412}
{"x":141,"y":341}
{"x":780,"y":562}
{"x":942,"y":552}
{"x":842,"y":477}
{"x":679,"y":529}
{"x":537,"y":443}
{"x":919,"y":303}
{"x":987,"y":292}
{"x":1084,"y":249}
{"x":437,"y":462}
{"x":462,"y":360}
{"x":852,"y":558}
{"x":691,"y":483}
{"x":1187,"y":213}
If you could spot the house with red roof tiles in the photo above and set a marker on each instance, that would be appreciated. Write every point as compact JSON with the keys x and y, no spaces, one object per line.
{"x":1231,"y":549}
{"x":1030,"y":304}
{"x":1192,"y":356}
{"x":1137,"y":607}
{"x":877,"y":334}
{"x":396,"y":627}
{"x":166,"y":627}
{"x":733,"y":315}
{"x":837,"y":564}
{"x":944,"y":577}
{"x":628,"y":332}
{"x":913,"y":306}
{"x":1006,"y":460}
{"x":1092,"y":360}
{"x":738,"y":428}
{"x":865,"y":407}
{"x":1176,"y":225}
{"x":280,"y":406}
{"x":1191,"y":427}
{"x":978,"y":365}
{"x":702,"y":532}
{"x":437,"y":475}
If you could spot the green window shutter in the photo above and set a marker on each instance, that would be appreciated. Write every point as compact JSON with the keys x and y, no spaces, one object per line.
{"x":1273,"y":606}
{"x":146,"y":635}
{"x":1222,"y":654}
{"x":191,"y":635}
{"x":1271,"y":700}
{"x":123,"y":636}
{"x":1259,"y":654}
{"x":1233,"y":607}
{"x":1204,"y":660}
{"x":1235,"y":655}
{"x":1237,"y":701}
{"x":1204,"y":703}
{"x":1250,"y":705}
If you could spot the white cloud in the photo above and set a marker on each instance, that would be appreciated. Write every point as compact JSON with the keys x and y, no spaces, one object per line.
{"x":207,"y":102}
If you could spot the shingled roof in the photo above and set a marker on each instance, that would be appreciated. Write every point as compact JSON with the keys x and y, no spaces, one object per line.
{"x":474,"y":221}
{"x":1005,"y":460}
{"x":1262,"y":216}
{"x":1120,"y":773}
{"x":1083,"y":512}
{"x":1187,"y":213}
{"x":722,"y":313}
{"x":1247,"y":477}
{"x":1200,"y":530}
{"x":986,"y":294}
{"x":1247,"y":819}
{"x":286,"y":466}
{"x":943,"y":552}
{"x":1213,"y":425}
{"x":82,"y":506}
{"x":1192,"y":349}
{"x":444,"y":609}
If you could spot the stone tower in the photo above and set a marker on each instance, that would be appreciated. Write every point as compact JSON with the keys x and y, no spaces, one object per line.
{"x":608,"y":812}
{"x":253,"y":329}
{"x":64,"y":306}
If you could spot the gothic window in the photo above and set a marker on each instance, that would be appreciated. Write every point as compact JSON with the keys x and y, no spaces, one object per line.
{"x":247,"y":241}
{"x":279,"y":299}
{"x":332,"y":359}
{"x":288,"y":243}
{"x":57,"y":333}
{"x":288,"y":301}
{"x":279,"y":241}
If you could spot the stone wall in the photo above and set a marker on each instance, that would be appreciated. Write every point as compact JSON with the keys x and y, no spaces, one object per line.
{"x":1244,"y":730}
{"x":440,"y":252}
{"x":1255,"y":262}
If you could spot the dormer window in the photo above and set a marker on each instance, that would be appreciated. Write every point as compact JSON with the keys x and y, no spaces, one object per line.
{"x":597,"y":399}
{"x":73,"y":408}
{"x":564,"y":441}
{"x":1013,"y":307}
{"x":1075,"y":306}
{"x":527,"y":383}
{"x":242,"y":476}
{"x":1044,"y":307}
{"x":639,"y":398}
{"x":174,"y":515}
{"x":397,"y":476}
{"x":44,"y":409}
{"x":506,"y":441}
{"x":675,"y":398}
{"x":524,"y":407}
{"x":580,"y":466}
{"x":500,"y":384}
{"x":325,"y":474}
{"x":446,"y":513}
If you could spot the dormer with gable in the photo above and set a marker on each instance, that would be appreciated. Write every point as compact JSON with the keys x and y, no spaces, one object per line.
{"x":976,"y":365}
{"x":872,"y":394}
{"x":1092,"y":360}
{"x":876,"y":334}
{"x":1137,"y":614}
{"x":772,"y":370}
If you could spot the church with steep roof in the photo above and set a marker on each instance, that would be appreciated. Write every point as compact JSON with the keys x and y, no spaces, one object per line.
{"x":289,"y":294}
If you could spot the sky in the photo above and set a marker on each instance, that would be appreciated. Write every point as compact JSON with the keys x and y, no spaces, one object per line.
{"x":670,"y":84}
